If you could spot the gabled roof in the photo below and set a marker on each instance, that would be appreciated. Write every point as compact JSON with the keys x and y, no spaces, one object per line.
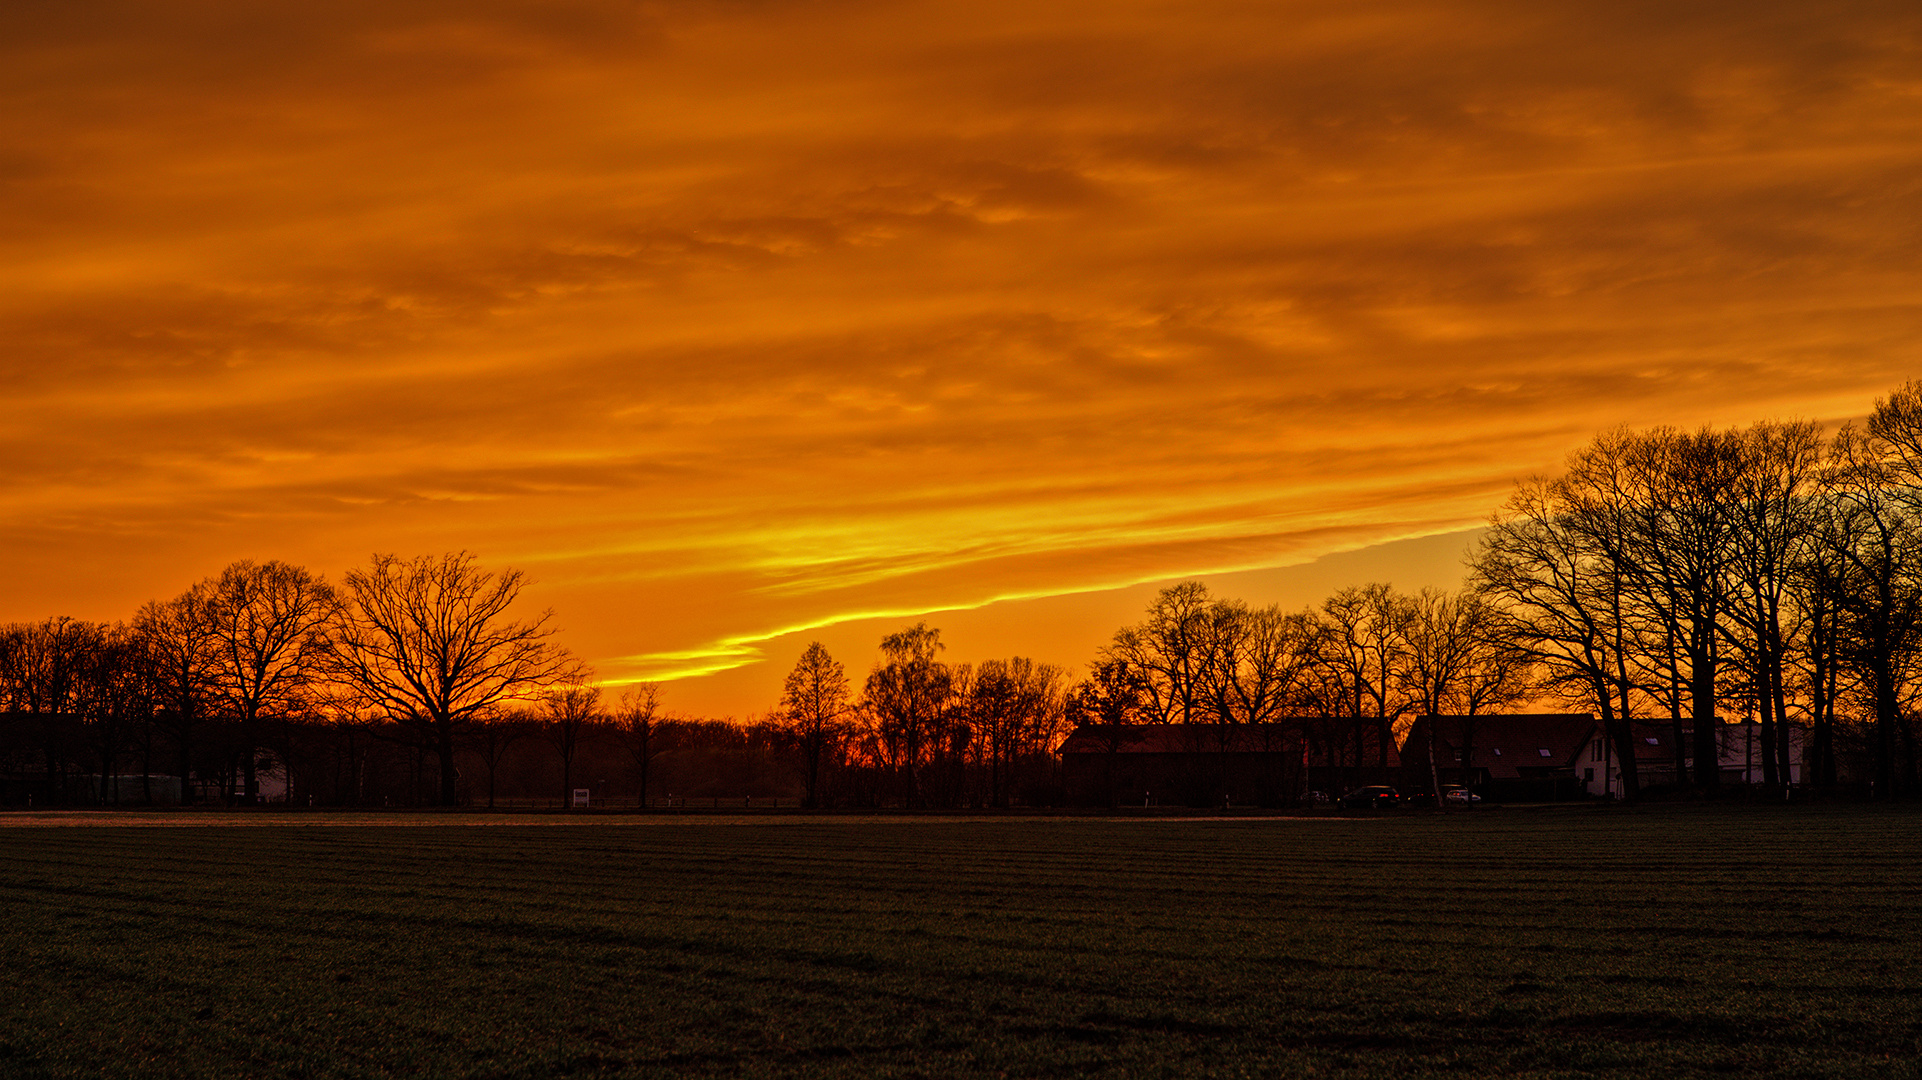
{"x":1655,"y":742}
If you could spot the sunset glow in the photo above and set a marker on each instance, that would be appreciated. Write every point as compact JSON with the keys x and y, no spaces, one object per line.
{"x":733,"y":322}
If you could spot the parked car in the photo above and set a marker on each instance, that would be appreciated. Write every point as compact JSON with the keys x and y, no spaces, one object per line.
{"x":1372,"y":797}
{"x":1456,"y":793}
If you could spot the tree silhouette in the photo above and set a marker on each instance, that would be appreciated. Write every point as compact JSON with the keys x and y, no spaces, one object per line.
{"x":566,"y":712}
{"x":429,"y":643}
{"x":907,"y":693}
{"x":270,"y":625}
{"x":637,"y":719}
{"x":178,"y":637}
{"x":813,"y":701}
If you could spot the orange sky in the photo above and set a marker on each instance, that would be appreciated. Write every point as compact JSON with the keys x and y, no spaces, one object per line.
{"x":729,"y":320}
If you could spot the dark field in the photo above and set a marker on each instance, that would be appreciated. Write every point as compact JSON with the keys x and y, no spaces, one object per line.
{"x":1759,"y":942}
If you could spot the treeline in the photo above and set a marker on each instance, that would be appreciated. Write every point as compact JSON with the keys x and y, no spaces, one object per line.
{"x":1348,"y":674}
{"x":412,"y":684}
{"x":1767,"y":572}
{"x":1668,"y":577}
{"x":923,"y":732}
{"x":268,"y":666}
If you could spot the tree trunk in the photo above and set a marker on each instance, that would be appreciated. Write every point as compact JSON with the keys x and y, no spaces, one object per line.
{"x":1701,"y":679}
{"x":1434,"y":768}
{"x":248,"y":745}
{"x":449,"y":771}
{"x":1887,"y":716}
{"x":812,"y":747}
{"x":1765,"y":699}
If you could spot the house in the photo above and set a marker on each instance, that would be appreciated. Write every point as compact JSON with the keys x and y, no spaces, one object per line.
{"x":1740,"y":751}
{"x":1535,"y":757}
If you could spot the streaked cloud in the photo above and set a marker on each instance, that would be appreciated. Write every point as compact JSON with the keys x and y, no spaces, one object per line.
{"x":732,"y":320}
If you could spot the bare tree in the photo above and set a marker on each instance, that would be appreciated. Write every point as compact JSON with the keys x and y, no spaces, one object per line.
{"x":270,"y":625}
{"x":907,"y":693}
{"x":429,"y":642}
{"x":180,"y":649}
{"x":1169,"y":651}
{"x":637,"y":718}
{"x":1360,"y":647}
{"x":1457,"y":661}
{"x":1559,"y":600}
{"x":44,"y":668}
{"x":1773,"y":500}
{"x":1257,"y":659}
{"x":1874,"y":542}
{"x":115,"y":698}
{"x":813,"y":702}
{"x":1011,"y":707}
{"x":566,"y":712}
{"x":1679,"y":553}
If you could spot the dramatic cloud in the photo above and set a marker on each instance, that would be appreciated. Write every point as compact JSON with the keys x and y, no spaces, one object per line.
{"x":731,"y":320}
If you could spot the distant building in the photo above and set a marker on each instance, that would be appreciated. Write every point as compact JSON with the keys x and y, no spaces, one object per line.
{"x":1181,"y":764}
{"x":1740,"y":752}
{"x":1235,"y":764}
{"x":1503,"y":757}
{"x":1506,"y":757}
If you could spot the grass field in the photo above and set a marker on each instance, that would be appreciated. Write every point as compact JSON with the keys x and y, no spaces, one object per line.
{"x":1665,"y":943}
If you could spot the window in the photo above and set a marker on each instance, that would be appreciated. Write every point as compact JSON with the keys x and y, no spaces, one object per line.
{"x":1547,"y":754}
{"x":1498,"y":751}
{"x":1652,"y":741}
{"x":1595,"y":751}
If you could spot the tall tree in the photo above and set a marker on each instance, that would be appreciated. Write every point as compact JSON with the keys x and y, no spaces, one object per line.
{"x":1010,"y":706}
{"x":1896,"y":426}
{"x":43,"y":670}
{"x":1169,"y":651}
{"x":566,"y":713}
{"x":430,"y":643}
{"x":907,"y":693}
{"x":637,"y":718}
{"x":1681,"y":553}
{"x":814,"y":702}
{"x":1360,"y":648}
{"x":179,"y":643}
{"x":1256,"y":661}
{"x":1874,"y":542}
{"x":116,"y":700}
{"x":1458,"y":662}
{"x":1773,"y":500}
{"x":1558,"y":598}
{"x":270,"y":625}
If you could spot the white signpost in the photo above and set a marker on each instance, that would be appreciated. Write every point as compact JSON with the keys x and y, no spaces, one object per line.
{"x":581,"y":796}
